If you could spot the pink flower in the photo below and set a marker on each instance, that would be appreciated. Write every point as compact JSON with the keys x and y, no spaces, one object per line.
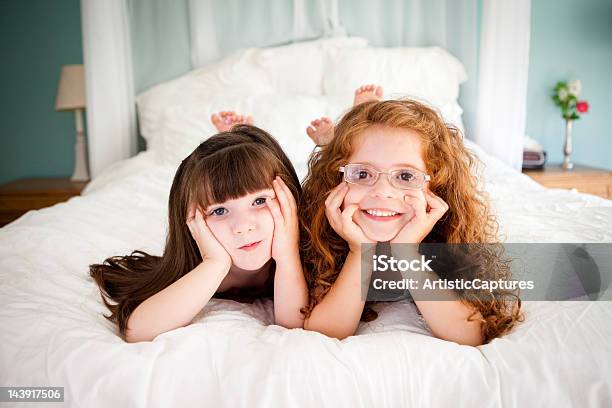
{"x":582,"y":106}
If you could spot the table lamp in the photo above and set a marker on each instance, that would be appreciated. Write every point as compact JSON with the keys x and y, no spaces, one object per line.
{"x":71,"y":97}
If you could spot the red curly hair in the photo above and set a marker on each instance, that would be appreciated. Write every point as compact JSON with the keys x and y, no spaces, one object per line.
{"x":450,"y":164}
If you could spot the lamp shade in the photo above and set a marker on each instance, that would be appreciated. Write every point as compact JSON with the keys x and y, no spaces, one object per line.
{"x":71,"y":90}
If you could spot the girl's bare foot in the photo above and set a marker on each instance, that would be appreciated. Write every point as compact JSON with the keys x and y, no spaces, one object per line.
{"x":224,"y":120}
{"x":321,"y":131}
{"x":366,"y":93}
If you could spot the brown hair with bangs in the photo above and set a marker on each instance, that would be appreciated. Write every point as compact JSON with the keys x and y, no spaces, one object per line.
{"x":451,"y":166}
{"x":226,"y":166}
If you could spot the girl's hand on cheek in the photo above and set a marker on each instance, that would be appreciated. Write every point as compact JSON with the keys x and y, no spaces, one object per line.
{"x":424,"y":219}
{"x":210,"y":248}
{"x":342,"y":221}
{"x":286,"y":239}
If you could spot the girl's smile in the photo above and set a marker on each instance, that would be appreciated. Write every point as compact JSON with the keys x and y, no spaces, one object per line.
{"x":378,"y":214}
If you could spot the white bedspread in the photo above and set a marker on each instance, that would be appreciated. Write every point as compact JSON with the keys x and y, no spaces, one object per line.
{"x":53,"y":332}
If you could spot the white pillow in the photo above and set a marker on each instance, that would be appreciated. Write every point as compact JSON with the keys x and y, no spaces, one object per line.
{"x":450,"y":111}
{"x":273,"y":84}
{"x":428,"y":74}
{"x":181,"y":131}
{"x":430,"y":71}
{"x":295,"y":68}
{"x":237,"y":71}
{"x":298,"y":67}
{"x":284,"y":116}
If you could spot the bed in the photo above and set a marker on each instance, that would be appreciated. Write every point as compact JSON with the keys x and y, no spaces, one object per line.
{"x":53,"y":329}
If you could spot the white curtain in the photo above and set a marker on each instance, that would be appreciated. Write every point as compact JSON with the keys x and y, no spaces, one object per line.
{"x":502,"y":85}
{"x":160,"y":40}
{"x":111,"y":114}
{"x":219,"y":27}
{"x":204,"y":46}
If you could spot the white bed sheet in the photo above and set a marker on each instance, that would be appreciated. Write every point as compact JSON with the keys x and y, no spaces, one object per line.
{"x":53,"y":332}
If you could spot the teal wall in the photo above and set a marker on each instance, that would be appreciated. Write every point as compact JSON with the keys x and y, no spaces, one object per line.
{"x":572,"y":39}
{"x":37,"y":37}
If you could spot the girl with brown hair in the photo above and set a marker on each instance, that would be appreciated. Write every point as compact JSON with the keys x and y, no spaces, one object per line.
{"x":233,"y":232}
{"x":393,"y":171}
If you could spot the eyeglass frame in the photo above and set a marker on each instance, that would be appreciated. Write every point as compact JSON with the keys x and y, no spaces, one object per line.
{"x":426,"y":177}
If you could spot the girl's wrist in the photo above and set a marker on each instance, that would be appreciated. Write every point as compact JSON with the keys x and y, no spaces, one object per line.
{"x":354,"y":247}
{"x":217,"y":265}
{"x":289,"y":257}
{"x":360,"y":248}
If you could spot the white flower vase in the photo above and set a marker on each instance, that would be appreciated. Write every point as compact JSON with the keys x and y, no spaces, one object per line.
{"x":567,"y":146}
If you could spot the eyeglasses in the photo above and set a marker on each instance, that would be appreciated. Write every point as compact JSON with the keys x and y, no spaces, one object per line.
{"x":404,"y":178}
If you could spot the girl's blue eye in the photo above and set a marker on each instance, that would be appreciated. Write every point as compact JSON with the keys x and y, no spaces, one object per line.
{"x":260,"y":201}
{"x":218,"y":211}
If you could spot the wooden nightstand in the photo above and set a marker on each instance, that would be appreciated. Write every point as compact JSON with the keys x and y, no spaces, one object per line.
{"x":21,"y":196}
{"x":582,"y":178}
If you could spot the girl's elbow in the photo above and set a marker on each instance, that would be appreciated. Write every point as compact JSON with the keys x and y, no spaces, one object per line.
{"x":290,"y":323}
{"x":476,"y":340}
{"x":328,"y":331}
{"x":474,"y":337}
{"x":135,"y":332}
{"x":136,"y":336}
{"x":463,"y":339}
{"x":473,"y":341}
{"x":337,"y":334}
{"x":308,"y":325}
{"x":131,"y":337}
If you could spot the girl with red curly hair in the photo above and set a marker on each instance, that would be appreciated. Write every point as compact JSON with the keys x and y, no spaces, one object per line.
{"x":393,"y":171}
